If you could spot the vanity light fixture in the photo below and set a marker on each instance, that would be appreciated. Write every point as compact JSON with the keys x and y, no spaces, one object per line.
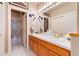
{"x":30,"y":15}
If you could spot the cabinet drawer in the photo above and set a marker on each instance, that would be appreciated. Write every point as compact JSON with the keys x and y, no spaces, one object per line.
{"x":58,"y":50}
{"x":33,"y":38}
{"x":50,"y":53}
{"x":42,"y":42}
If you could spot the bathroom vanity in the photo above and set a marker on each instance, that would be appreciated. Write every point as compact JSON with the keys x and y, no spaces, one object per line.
{"x":43,"y":46}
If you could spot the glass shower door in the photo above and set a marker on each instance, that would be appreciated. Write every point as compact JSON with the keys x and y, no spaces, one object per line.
{"x":15,"y":29}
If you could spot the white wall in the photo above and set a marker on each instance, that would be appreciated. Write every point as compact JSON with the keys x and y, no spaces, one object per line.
{"x":32,"y":9}
{"x":64,"y":18}
{"x":64,"y":23}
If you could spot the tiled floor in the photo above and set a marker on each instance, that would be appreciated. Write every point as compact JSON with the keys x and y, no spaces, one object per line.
{"x":21,"y":51}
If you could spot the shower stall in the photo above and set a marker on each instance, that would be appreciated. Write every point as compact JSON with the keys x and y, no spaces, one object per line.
{"x":17,"y":28}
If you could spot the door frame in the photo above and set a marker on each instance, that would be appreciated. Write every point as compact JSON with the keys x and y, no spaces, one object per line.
{"x":11,"y":7}
{"x":49,"y":20}
{"x":2,"y":34}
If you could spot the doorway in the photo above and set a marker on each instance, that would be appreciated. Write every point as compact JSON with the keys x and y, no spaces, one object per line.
{"x":17,"y":28}
{"x":46,"y":24}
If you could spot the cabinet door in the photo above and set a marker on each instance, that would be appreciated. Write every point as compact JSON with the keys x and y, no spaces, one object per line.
{"x":30,"y":42}
{"x":42,"y":51}
{"x":35,"y":47}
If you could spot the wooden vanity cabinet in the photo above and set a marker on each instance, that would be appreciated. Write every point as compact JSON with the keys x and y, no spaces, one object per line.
{"x":42,"y":51}
{"x":43,"y":48}
{"x":33,"y":44}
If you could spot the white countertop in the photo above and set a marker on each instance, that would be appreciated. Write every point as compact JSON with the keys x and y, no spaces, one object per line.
{"x":64,"y":43}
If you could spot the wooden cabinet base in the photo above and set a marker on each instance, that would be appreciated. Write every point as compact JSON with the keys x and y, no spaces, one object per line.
{"x":42,"y":51}
{"x":43,"y":48}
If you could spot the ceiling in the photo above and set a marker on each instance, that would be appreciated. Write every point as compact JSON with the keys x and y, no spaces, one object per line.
{"x":36,"y":3}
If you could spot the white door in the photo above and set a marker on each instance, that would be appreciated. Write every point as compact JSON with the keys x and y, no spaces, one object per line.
{"x":2,"y":29}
